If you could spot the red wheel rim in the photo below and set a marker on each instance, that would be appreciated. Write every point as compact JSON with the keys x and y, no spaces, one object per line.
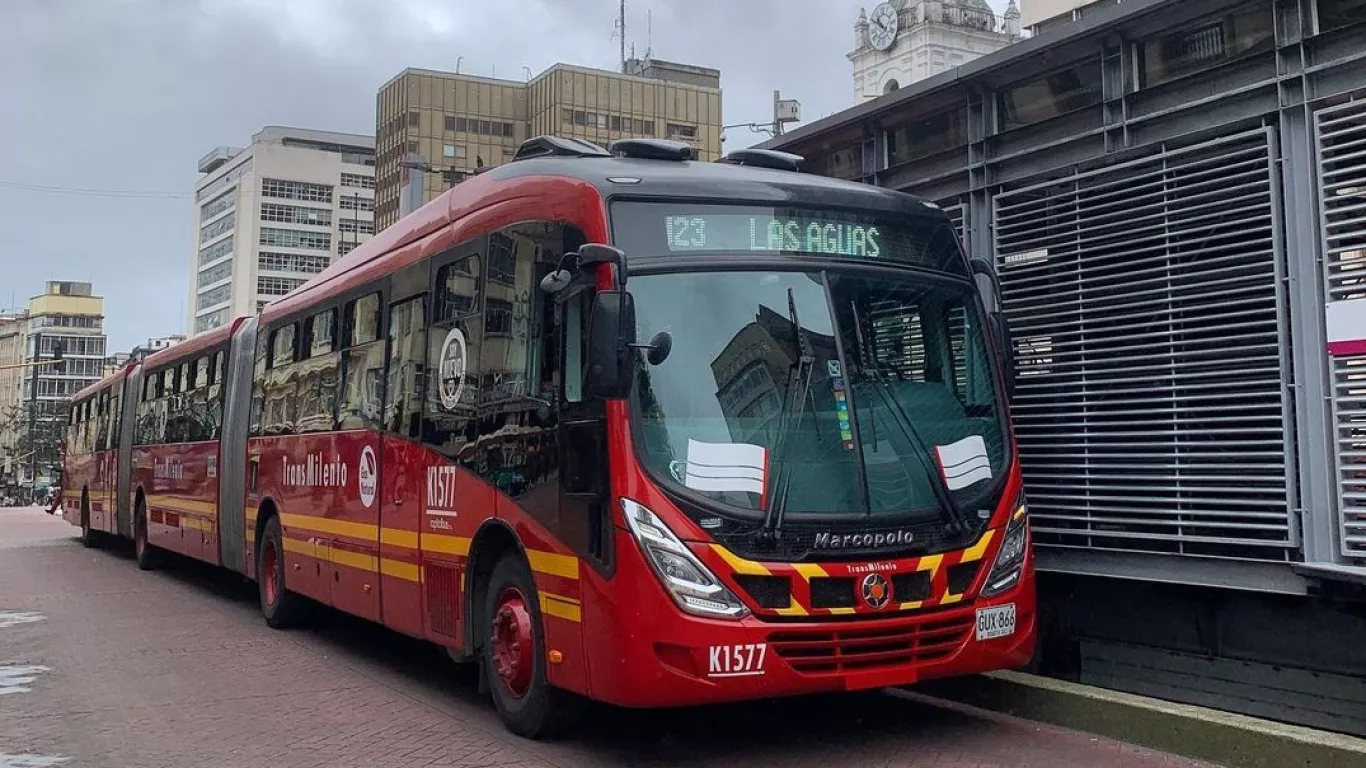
{"x":512,"y":643}
{"x":270,"y":572}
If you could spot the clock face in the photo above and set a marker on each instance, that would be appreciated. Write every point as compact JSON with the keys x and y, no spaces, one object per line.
{"x":882,"y":27}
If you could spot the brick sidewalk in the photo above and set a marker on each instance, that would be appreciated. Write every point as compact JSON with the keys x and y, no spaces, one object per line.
{"x":135,"y":670}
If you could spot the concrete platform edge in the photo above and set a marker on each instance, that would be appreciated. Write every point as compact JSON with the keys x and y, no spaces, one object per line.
{"x":1223,"y":738}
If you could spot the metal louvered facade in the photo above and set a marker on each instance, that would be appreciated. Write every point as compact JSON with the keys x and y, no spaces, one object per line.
{"x":1145,"y":307}
{"x":1174,"y":233}
{"x":1340,"y":143}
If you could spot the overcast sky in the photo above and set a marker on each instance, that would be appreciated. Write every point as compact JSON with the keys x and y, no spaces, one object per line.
{"x":112,"y":102}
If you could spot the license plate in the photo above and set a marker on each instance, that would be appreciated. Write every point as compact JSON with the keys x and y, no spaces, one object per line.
{"x":997,"y":621}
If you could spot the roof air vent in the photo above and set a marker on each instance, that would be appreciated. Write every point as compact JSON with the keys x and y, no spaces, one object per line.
{"x":765,"y":158}
{"x":558,"y":146}
{"x":652,"y":149}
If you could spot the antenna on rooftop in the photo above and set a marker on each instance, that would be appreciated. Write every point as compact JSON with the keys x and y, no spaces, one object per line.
{"x":621,"y":31}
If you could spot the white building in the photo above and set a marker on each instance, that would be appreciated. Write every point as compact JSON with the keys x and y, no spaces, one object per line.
{"x":902,"y":41}
{"x":271,"y":216}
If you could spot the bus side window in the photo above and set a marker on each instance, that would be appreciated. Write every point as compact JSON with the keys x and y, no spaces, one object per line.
{"x":575,"y":317}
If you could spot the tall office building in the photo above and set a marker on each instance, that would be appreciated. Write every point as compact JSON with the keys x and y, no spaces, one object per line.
{"x":33,"y":397}
{"x":454,"y":124}
{"x":272,"y":215}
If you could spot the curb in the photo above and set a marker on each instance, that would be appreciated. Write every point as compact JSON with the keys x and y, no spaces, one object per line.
{"x":1223,"y":738}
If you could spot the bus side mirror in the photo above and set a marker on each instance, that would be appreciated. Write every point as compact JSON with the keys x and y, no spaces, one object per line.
{"x":611,"y":331}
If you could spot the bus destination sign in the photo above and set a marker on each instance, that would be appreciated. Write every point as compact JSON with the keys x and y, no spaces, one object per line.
{"x":651,"y":229}
{"x":756,"y":232}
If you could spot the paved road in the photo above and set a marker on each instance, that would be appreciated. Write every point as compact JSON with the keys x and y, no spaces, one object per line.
{"x":105,"y":666}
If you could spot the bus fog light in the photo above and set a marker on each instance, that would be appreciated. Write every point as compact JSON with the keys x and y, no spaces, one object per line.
{"x":1005,"y":572}
{"x":691,"y":584}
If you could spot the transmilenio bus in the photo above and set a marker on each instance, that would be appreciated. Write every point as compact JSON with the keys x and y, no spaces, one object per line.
{"x":619,"y":424}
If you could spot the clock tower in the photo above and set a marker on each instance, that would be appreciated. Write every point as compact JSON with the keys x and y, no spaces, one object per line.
{"x":902,"y":41}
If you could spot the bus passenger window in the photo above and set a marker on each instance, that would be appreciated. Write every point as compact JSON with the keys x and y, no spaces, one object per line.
{"x":362,"y":366}
{"x":575,"y":336}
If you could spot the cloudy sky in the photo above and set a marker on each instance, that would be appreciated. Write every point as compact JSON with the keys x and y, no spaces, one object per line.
{"x":110,"y":103}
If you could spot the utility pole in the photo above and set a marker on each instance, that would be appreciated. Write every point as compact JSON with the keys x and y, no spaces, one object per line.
{"x":621,"y":28}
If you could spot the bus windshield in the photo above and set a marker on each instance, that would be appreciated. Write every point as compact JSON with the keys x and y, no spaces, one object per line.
{"x":863,"y":386}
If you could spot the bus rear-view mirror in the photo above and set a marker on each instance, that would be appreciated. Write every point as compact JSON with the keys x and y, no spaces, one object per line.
{"x":611,"y":332}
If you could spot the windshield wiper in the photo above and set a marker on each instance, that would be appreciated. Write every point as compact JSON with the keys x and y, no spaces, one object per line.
{"x":954,"y":516}
{"x":789,"y":418}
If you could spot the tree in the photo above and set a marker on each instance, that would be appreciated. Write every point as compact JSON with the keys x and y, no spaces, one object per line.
{"x":35,"y":431}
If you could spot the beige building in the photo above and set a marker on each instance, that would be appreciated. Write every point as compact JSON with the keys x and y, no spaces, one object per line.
{"x":455,"y":124}
{"x":66,"y":313}
{"x":1039,"y":15}
{"x":270,"y":216}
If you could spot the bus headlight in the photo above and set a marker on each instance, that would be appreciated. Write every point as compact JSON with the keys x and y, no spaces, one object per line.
{"x":1005,"y":572}
{"x":691,"y":584}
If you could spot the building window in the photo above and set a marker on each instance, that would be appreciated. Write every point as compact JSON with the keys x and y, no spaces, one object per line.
{"x":237,"y":172}
{"x":277,"y":286}
{"x":271,"y":261}
{"x":214,"y":274}
{"x":358,"y":180}
{"x":356,"y":203}
{"x":414,"y":119}
{"x":211,"y":320}
{"x":483,"y":127}
{"x":450,"y":123}
{"x":294,"y":238}
{"x":215,"y":251}
{"x":1335,"y":14}
{"x":1051,"y":96}
{"x":218,"y":205}
{"x":297,"y":190}
{"x":456,"y":151}
{"x":844,"y":163}
{"x":356,"y":225}
{"x":213,"y":296}
{"x":680,"y":131}
{"x":1207,"y":44}
{"x":216,"y":228}
{"x":295,"y":214}
{"x":940,"y":133}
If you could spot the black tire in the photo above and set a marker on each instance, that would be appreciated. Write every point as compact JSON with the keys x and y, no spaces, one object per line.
{"x":281,"y":608}
{"x":541,"y":711}
{"x":147,"y":556}
{"x":90,"y":538}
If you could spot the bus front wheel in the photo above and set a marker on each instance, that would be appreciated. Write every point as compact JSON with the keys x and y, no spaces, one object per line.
{"x":513,"y":655}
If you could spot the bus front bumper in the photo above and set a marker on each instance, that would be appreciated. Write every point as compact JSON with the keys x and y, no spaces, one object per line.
{"x":662,"y":657}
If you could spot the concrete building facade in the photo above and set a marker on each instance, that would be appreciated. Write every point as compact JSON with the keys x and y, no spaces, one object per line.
{"x":455,"y":124}
{"x":270,"y":216}
{"x":904,"y":41}
{"x":33,"y":398}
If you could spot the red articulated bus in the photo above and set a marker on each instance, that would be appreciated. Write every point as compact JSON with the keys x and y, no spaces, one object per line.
{"x":91,"y":458}
{"x":617,"y":424}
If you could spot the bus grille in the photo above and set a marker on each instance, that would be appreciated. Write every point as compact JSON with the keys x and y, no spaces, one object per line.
{"x":816,"y":652}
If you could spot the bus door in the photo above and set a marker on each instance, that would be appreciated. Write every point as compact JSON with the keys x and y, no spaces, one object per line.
{"x":403,"y":459}
{"x":451,"y":499}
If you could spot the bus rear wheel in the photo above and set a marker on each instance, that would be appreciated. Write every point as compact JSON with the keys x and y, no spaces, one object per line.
{"x":89,"y":536}
{"x":513,"y":655}
{"x":280,"y":607}
{"x":148,"y":557}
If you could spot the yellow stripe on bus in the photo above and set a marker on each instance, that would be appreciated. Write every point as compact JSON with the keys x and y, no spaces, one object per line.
{"x":561,"y":607}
